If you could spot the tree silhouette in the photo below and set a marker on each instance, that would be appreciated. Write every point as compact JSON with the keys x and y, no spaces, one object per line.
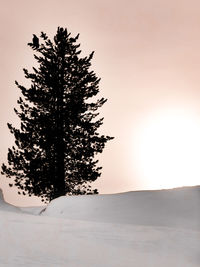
{"x":56,"y":145}
{"x":35,"y":41}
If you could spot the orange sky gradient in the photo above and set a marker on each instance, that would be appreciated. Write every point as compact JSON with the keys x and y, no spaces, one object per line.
{"x":147,"y":53}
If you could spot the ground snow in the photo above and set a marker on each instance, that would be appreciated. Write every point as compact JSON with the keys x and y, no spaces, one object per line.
{"x":134,"y":229}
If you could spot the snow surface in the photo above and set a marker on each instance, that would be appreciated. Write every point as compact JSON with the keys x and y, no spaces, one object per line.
{"x":133,"y":229}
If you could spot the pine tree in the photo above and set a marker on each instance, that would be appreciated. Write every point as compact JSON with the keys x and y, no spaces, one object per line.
{"x":56,"y":145}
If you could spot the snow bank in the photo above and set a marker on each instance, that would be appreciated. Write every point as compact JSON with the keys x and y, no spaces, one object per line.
{"x":172,"y":208}
{"x":5,"y":206}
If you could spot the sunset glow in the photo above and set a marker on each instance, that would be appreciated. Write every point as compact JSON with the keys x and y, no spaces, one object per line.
{"x":148,"y":59}
{"x":168,"y":149}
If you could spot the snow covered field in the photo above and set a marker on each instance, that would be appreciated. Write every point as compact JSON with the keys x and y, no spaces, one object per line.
{"x":133,"y":229}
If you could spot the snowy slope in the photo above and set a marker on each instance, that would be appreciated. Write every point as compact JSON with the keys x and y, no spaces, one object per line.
{"x":135,"y":229}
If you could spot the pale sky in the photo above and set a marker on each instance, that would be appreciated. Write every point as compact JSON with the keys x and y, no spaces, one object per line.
{"x":147,"y":53}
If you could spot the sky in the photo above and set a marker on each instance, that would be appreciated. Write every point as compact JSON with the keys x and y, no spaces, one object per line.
{"x":147,"y":54}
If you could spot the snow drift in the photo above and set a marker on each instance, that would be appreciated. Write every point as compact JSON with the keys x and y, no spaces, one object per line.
{"x":178,"y":207}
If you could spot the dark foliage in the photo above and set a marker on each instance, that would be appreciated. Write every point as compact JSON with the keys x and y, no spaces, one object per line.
{"x":56,"y":145}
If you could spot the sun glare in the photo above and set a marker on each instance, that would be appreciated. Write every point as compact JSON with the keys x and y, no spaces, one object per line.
{"x":167,"y":149}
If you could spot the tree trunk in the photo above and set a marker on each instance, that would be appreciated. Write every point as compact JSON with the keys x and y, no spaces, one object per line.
{"x":59,"y":187}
